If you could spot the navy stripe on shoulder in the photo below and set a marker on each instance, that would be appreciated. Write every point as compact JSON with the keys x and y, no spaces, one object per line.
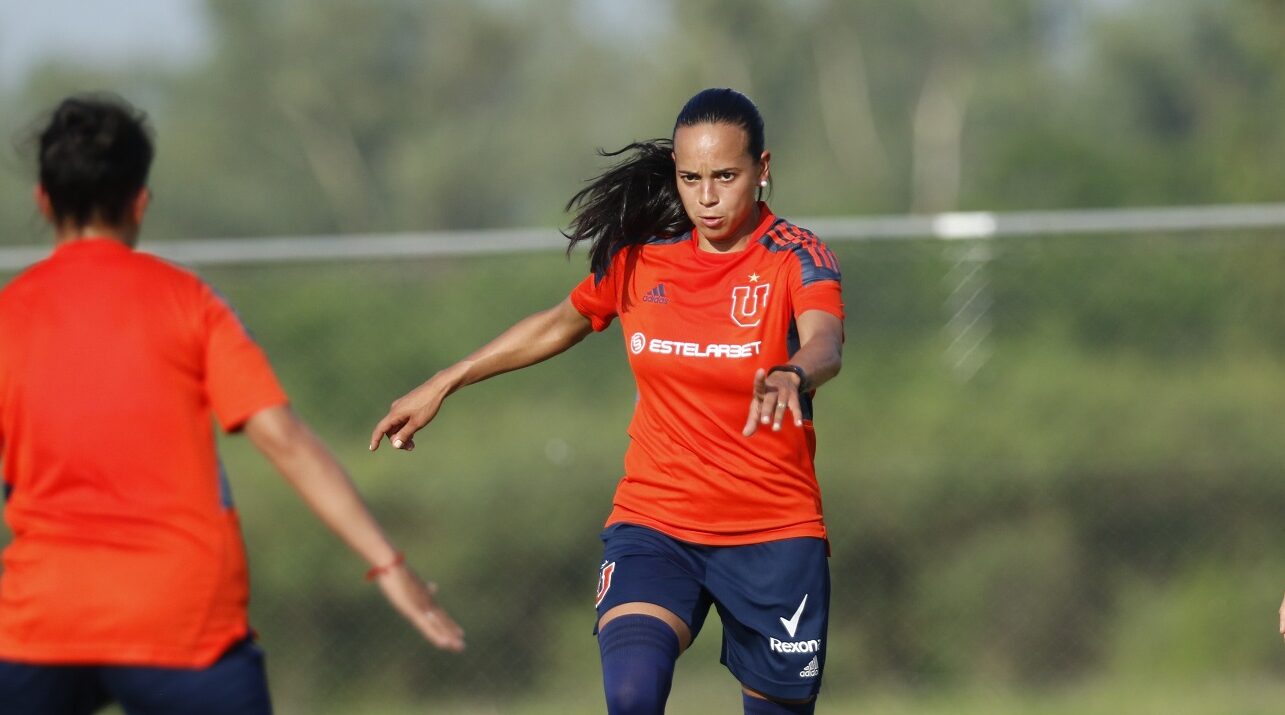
{"x":817,"y":261}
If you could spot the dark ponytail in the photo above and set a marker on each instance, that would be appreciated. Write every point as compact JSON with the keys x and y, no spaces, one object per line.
{"x":95,"y":154}
{"x":637,"y":198}
{"x":632,"y":201}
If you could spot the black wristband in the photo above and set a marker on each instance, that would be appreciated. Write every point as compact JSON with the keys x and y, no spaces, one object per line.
{"x":804,"y":385}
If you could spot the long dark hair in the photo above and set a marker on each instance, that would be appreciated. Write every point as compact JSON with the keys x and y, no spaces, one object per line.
{"x":637,"y":198}
{"x":95,"y":152}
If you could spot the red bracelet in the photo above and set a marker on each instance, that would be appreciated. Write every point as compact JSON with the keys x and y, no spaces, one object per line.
{"x":377,"y":571}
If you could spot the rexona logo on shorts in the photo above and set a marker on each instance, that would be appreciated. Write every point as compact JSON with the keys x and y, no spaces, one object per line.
{"x":791,"y":625}
{"x":656,"y":346}
{"x":780,"y":646}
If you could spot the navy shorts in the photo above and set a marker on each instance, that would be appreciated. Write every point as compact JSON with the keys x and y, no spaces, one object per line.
{"x":773,"y":599}
{"x":235,"y":684}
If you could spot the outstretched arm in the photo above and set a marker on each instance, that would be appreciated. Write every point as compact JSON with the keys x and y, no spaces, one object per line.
{"x":533,"y":339}
{"x":820,"y":355}
{"x":301,"y":457}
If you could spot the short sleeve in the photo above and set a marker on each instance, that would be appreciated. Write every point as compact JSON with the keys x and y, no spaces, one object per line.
{"x":596,"y":297}
{"x":239,"y":381}
{"x":822,"y":295}
{"x":815,"y":281}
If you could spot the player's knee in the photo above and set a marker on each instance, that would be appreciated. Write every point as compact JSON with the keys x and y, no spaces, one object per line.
{"x":638,"y":654}
{"x":628,"y":697}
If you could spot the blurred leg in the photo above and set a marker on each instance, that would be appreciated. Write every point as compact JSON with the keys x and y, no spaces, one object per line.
{"x":49,"y":690}
{"x":236,"y":684}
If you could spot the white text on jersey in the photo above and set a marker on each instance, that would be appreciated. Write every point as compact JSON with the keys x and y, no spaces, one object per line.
{"x":711,"y":350}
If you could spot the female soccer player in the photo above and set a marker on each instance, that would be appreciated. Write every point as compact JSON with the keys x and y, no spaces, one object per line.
{"x":722,"y":304}
{"x":126,"y":576}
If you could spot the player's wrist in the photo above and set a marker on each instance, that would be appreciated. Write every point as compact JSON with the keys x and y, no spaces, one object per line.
{"x":805,"y":385}
{"x":382,"y":569}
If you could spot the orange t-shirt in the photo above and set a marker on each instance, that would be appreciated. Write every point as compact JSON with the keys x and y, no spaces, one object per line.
{"x":126,"y":548}
{"x":697,"y":325}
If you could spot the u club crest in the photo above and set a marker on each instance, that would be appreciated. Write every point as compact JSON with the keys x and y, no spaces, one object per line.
{"x":604,"y":581}
{"x":749,"y":302}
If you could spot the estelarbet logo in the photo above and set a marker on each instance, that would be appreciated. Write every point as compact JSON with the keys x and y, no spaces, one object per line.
{"x":638,"y":343}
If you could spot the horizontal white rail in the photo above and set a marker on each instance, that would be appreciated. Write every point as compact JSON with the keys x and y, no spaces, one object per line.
{"x":970,"y":225}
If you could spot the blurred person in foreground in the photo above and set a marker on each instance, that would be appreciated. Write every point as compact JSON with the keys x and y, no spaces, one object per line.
{"x":126,"y":579}
{"x":732,"y":317}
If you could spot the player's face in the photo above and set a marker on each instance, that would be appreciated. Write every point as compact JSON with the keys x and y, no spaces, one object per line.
{"x":718,"y":180}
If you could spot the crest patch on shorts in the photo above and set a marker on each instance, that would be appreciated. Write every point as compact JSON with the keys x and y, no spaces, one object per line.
{"x":604,"y":580}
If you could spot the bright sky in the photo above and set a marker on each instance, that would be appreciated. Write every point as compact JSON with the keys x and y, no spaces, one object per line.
{"x":117,"y":31}
{"x":96,"y":31}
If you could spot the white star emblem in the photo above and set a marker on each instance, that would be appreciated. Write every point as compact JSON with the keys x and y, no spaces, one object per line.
{"x":754,"y":278}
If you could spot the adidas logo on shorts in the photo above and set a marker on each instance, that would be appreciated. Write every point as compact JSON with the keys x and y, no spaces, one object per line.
{"x":656,"y":295}
{"x":811,"y":670}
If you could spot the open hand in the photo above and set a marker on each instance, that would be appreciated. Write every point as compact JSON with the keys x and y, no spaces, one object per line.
{"x":774,"y":394}
{"x":414,"y":600}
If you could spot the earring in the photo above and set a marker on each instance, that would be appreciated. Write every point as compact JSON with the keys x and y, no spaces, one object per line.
{"x":763,"y":183}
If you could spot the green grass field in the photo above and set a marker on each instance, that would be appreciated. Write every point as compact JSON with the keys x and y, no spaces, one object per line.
{"x":708,"y":696}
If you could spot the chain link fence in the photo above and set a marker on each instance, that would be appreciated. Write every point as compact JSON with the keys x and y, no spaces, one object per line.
{"x":1050,"y":461}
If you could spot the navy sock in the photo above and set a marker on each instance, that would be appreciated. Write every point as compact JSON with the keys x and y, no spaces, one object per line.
{"x":759,"y":706}
{"x":638,"y":654}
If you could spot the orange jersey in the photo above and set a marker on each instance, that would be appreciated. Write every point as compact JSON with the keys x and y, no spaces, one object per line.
{"x":126,"y":548}
{"x":697,"y":325}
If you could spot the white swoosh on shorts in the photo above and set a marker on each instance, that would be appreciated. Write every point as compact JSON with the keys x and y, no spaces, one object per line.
{"x":793,"y":624}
